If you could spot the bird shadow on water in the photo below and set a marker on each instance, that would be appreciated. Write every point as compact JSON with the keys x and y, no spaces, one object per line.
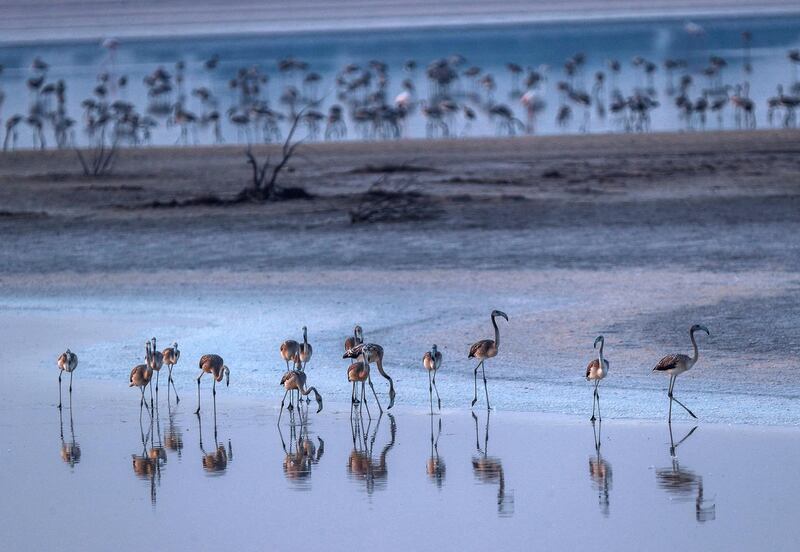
{"x":600,"y":472}
{"x":683,"y":484}
{"x":215,"y":462}
{"x":361,"y":465}
{"x":302,"y":453}
{"x":489,"y":470}
{"x":70,"y":450}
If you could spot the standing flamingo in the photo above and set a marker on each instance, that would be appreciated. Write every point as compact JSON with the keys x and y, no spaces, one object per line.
{"x":141,"y":375}
{"x":358,"y":372}
{"x":295,"y":380}
{"x":67,"y":361}
{"x":289,"y":348}
{"x":356,"y":339}
{"x":171,"y":355}
{"x":156,"y":360}
{"x":373,"y":353}
{"x":677,"y":364}
{"x":305,"y":349}
{"x":595,"y":371}
{"x":484,"y":349}
{"x":214,"y":365}
{"x":431,"y":362}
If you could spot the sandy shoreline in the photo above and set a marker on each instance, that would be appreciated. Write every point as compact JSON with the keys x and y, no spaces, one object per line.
{"x":22,"y":22}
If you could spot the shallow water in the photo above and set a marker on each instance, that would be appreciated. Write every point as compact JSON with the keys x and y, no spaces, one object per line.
{"x":539,"y":45}
{"x":410,"y":480}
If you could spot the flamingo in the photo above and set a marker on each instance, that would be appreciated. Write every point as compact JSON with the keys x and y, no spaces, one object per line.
{"x":677,"y":364}
{"x":141,"y":374}
{"x":289,"y":349}
{"x":356,"y":339}
{"x":170,"y":356}
{"x":67,"y":361}
{"x":214,"y":365}
{"x":373,"y":353}
{"x":156,"y":360}
{"x":595,"y":371}
{"x":358,"y":372}
{"x":305,"y":349}
{"x":295,"y":380}
{"x":431,"y":361}
{"x":484,"y":349}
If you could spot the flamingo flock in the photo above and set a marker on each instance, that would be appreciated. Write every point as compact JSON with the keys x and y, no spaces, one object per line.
{"x":363,"y":355}
{"x":373,"y":101}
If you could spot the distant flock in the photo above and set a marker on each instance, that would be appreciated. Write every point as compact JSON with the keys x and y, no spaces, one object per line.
{"x":364,"y":354}
{"x":450,"y":94}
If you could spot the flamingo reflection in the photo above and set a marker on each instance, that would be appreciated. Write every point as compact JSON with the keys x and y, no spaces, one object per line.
{"x":435,"y":466}
{"x":302,"y":453}
{"x":683,"y":484}
{"x":216,"y":461}
{"x":173,"y":436}
{"x":360,"y":464}
{"x":489,"y":469}
{"x":147,"y":465}
{"x":600,"y":472}
{"x":70,"y":450}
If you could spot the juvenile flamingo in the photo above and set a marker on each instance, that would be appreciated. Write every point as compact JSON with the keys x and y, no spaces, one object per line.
{"x":373,"y":353}
{"x":214,"y":365}
{"x":67,"y":361}
{"x":356,"y":339}
{"x":595,"y":371}
{"x":289,"y":348}
{"x":677,"y":364}
{"x":141,"y":375}
{"x":305,"y":349}
{"x":156,"y":360}
{"x":295,"y":380}
{"x":171,"y":355}
{"x":431,"y":362}
{"x":484,"y":349}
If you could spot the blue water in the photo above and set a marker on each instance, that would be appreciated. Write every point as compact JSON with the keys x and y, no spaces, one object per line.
{"x":541,"y":46}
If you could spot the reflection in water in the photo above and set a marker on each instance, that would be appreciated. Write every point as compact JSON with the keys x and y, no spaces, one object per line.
{"x":216,"y":461}
{"x":147,"y":465}
{"x":489,"y":470}
{"x":683,"y":484}
{"x":173,"y":437}
{"x":600,"y":472}
{"x":360,"y":464}
{"x":302,"y":453}
{"x":70,"y":450}
{"x":435,"y":466}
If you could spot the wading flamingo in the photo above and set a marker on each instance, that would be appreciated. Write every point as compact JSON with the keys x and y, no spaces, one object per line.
{"x":677,"y":364}
{"x":67,"y":362}
{"x":214,"y":365}
{"x":373,"y":353}
{"x":486,"y":349}
{"x":595,"y":371}
{"x":431,"y":362}
{"x":171,"y":355}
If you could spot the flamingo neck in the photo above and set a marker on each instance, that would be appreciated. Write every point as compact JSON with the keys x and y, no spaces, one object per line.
{"x":600,"y":354}
{"x":496,"y":333}
{"x":696,"y":353}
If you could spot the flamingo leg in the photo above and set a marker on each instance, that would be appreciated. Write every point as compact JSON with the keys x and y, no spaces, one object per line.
{"x":475,"y":399}
{"x":485,"y":388}
{"x":430,"y":393}
{"x":364,"y":399}
{"x":158,"y":374}
{"x":281,"y":413}
{"x":198,"y":392}
{"x":437,"y":390}
{"x":60,"y":372}
{"x":597,"y":397}
{"x":680,"y":403}
{"x":375,"y":394}
{"x":70,"y":384}
{"x":177,"y":398}
{"x":669,"y":394}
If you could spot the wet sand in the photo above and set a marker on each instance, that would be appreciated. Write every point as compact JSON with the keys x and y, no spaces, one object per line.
{"x":635,"y":237}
